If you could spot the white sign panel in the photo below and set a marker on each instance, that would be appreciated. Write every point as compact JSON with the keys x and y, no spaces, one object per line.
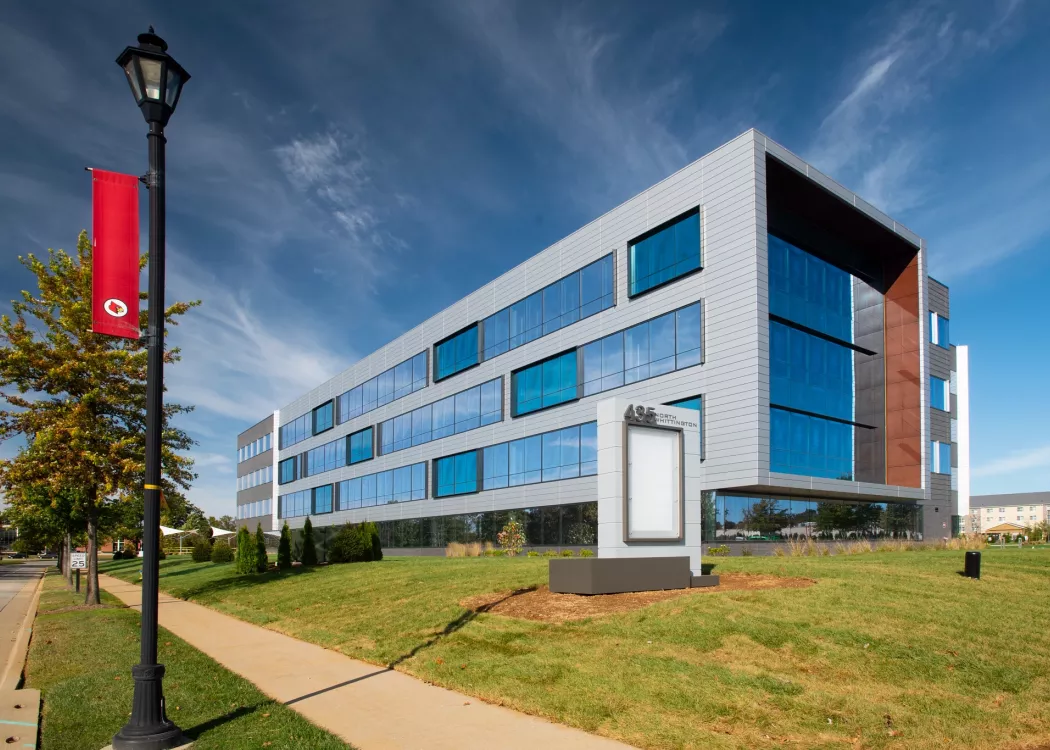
{"x":654,"y":480}
{"x":78,"y":560}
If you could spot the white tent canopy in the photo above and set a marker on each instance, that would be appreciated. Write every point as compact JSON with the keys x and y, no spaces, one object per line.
{"x":220,"y":532}
{"x":168,"y":531}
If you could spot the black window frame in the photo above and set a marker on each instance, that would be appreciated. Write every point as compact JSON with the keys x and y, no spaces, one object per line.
{"x":434,"y":355}
{"x":539,"y":362}
{"x":698,"y":210}
{"x":313,"y":500}
{"x":313,"y":417}
{"x":295,"y":469}
{"x":375,"y":429}
{"x":479,"y":458}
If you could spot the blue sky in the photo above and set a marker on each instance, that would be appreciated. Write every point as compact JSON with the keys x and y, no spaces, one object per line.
{"x":338,"y":172}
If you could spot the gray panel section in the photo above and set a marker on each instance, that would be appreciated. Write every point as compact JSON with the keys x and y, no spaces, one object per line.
{"x":869,"y":331}
{"x":940,"y":488}
{"x":254,"y":463}
{"x":252,"y":494}
{"x":256,"y":431}
{"x":1015,"y":498}
{"x":618,"y":575}
{"x":253,"y":523}
{"x":940,"y":361}
{"x":937,"y":299}
{"x":940,"y":426}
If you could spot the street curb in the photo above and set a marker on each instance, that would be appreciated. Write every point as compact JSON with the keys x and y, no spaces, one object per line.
{"x":12,"y":678}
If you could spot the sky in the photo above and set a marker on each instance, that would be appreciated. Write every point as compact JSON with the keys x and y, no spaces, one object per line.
{"x":340,"y":171}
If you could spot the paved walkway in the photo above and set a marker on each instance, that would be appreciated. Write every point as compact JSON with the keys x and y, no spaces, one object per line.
{"x":372,"y":708}
{"x":18,"y":588}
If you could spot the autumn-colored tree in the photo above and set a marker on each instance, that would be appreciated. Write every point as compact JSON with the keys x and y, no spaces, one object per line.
{"x":78,"y":399}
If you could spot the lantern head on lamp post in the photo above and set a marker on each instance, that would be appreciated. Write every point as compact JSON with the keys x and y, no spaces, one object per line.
{"x":156,"y":81}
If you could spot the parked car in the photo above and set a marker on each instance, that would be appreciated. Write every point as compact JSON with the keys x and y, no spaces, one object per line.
{"x":16,"y":555}
{"x":48,"y":556}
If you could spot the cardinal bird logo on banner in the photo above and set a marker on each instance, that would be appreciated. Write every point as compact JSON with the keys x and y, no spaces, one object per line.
{"x":116,"y":308}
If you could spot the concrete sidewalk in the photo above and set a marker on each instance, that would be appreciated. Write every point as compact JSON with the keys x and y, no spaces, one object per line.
{"x":372,"y":708}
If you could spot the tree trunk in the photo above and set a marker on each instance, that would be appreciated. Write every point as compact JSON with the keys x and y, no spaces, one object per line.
{"x":64,"y":561}
{"x":91,"y":592}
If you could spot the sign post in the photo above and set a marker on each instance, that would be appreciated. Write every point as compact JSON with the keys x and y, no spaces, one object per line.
{"x":78,"y":562}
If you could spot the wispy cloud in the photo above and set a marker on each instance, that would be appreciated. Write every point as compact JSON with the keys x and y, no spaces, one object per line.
{"x":1036,"y":458}
{"x":873,"y":137}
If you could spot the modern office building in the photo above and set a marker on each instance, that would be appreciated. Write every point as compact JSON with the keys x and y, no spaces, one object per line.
{"x":1019,"y":511}
{"x":796,"y":318}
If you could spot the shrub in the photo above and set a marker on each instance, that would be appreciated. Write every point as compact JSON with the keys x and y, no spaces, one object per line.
{"x":566,"y":553}
{"x":455,"y":549}
{"x":262,"y":561}
{"x":284,"y":549}
{"x":201,"y":551}
{"x":746,"y":551}
{"x":118,"y":555}
{"x":722,"y":551}
{"x":532,"y":553}
{"x":245,"y":551}
{"x":221,"y":552}
{"x":488,"y":548}
{"x":377,"y":546}
{"x":550,"y":553}
{"x":779,"y":551}
{"x":586,"y":553}
{"x":309,"y":556}
{"x":351,"y":544}
{"x":499,"y":553}
{"x":512,"y":538}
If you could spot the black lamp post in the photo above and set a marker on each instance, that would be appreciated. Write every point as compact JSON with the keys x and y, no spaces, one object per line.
{"x":156,"y":82}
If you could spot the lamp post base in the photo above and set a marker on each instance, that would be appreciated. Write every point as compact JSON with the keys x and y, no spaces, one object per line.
{"x":149,"y":727}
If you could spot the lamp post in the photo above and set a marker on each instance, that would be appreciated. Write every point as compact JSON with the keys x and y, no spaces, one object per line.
{"x":156,"y":82}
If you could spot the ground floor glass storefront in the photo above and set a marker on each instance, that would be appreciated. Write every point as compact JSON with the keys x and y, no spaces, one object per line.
{"x":738,"y":518}
{"x":552,"y":526}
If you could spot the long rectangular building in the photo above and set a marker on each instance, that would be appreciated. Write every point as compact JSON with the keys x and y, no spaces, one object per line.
{"x":797,"y":319}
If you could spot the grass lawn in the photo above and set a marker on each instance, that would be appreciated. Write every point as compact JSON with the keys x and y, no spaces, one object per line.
{"x":80,"y":660}
{"x":891,"y":649}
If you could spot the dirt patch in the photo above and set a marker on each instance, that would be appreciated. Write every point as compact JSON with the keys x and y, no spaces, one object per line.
{"x":541,"y":604}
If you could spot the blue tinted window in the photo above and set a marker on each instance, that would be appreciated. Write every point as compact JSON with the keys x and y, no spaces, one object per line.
{"x":323,"y":418}
{"x":296,"y":431}
{"x":655,"y":347}
{"x":323,"y":499}
{"x":802,"y":444}
{"x":545,"y":383}
{"x":559,"y":454}
{"x":562,"y":303}
{"x":390,"y":385}
{"x":361,"y":446}
{"x":939,"y":330}
{"x":286,"y":470}
{"x":456,"y":354}
{"x":326,"y":457}
{"x":457,"y":475}
{"x":295,"y":504}
{"x":809,"y":373}
{"x":669,"y":253}
{"x":809,"y":291}
{"x":940,"y":457}
{"x":939,"y":397}
{"x":460,"y":412}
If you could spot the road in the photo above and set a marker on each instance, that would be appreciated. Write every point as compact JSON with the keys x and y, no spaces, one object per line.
{"x":17,"y":584}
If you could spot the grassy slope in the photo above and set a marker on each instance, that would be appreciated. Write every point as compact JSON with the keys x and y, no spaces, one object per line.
{"x":895,"y":649}
{"x":81,"y":662}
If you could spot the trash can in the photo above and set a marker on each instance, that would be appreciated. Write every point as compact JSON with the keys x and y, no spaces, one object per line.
{"x":973,"y":565}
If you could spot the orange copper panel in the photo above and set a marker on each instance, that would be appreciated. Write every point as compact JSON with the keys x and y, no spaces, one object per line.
{"x":903,"y":385}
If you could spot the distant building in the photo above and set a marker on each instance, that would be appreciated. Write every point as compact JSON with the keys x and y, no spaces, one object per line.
{"x":1024,"y":508}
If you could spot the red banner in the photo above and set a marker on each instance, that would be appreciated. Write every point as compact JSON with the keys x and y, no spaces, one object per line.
{"x":115,"y":254}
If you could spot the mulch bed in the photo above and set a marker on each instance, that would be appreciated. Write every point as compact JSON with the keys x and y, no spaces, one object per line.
{"x":543,"y":605}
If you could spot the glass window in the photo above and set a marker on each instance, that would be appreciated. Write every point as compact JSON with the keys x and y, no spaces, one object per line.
{"x":456,"y":354}
{"x":939,"y":330}
{"x":403,"y":379}
{"x":668,"y":253}
{"x":810,"y":373}
{"x":579,"y":295}
{"x":286,"y":470}
{"x":323,"y":499}
{"x":525,"y":460}
{"x":809,"y":291}
{"x":939,"y":396}
{"x":361,"y":443}
{"x":419,"y":481}
{"x":811,"y":446}
{"x":419,"y":371}
{"x":496,"y":467}
{"x":588,"y":449}
{"x":463,"y":411}
{"x":297,"y":430}
{"x":322,"y":418}
{"x":457,"y":475}
{"x":369,"y":395}
{"x":384,"y":487}
{"x":940,"y":457}
{"x":546,"y":383}
{"x":468,"y":409}
{"x":492,"y":401}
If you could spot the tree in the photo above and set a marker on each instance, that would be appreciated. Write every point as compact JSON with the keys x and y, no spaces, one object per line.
{"x":79,"y":399}
{"x":226,"y":523}
{"x":245,"y":551}
{"x":284,"y":549}
{"x":309,"y":548}
{"x":262,"y":561}
{"x":46,"y":518}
